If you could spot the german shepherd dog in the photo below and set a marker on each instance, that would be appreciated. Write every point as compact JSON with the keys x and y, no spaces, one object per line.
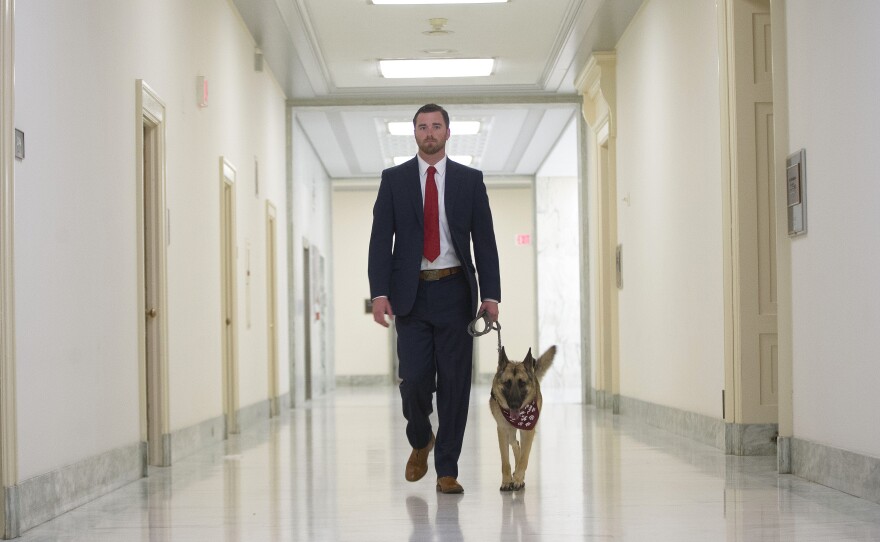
{"x":516,"y":403}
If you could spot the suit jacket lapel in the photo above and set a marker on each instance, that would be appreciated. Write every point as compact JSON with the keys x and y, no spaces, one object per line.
{"x":450,"y":189}
{"x":414,"y":189}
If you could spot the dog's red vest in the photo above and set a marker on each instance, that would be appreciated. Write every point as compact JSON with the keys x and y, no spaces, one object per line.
{"x":525,"y":419}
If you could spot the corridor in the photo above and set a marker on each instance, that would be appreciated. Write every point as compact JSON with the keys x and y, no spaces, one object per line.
{"x":334,"y":471}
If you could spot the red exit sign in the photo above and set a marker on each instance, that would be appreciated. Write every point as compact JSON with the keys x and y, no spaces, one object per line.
{"x":524,"y":239}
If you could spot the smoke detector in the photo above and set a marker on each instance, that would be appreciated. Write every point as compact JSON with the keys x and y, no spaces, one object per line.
{"x":437,"y":29}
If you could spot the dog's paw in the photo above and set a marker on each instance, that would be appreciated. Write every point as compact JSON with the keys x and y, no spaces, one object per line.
{"x":512,"y":486}
{"x":507,"y":483}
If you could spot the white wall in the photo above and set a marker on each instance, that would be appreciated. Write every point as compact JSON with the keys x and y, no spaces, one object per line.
{"x":558,"y":254}
{"x":352,"y":222}
{"x":833,"y":83}
{"x":75,"y":261}
{"x":312,"y":221}
{"x":668,"y":165}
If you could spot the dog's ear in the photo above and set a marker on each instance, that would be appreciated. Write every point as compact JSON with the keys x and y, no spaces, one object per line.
{"x":545,"y":361}
{"x":529,"y":361}
{"x":502,"y":359}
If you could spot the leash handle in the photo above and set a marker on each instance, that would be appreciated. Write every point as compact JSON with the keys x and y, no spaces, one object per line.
{"x":488,"y":326}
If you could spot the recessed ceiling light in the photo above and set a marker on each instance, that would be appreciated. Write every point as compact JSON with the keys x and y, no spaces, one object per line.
{"x":436,"y":67}
{"x":401,"y":2}
{"x":457,"y":127}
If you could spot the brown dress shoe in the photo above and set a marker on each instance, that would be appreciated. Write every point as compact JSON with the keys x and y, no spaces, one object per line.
{"x":417,"y":465}
{"x":448,"y":484}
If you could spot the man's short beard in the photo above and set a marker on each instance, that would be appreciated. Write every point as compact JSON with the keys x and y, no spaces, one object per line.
{"x":430,"y":148}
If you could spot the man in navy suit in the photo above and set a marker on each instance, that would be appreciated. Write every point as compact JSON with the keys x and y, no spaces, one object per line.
{"x":429,"y":287}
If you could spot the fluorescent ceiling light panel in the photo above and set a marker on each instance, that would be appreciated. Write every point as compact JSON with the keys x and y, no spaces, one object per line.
{"x":436,"y":67}
{"x":400,"y":128}
{"x":457,"y":127}
{"x":464,"y":127}
{"x":418,"y":2}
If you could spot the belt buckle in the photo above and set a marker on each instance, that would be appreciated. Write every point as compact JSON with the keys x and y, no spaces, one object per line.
{"x":431,"y":274}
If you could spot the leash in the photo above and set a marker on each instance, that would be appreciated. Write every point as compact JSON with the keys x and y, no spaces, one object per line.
{"x":489,"y":326}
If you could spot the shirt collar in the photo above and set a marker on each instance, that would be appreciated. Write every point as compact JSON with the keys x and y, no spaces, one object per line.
{"x":439,"y":166}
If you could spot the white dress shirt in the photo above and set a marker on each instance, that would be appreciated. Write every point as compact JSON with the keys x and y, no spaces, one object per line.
{"x":447,"y":257}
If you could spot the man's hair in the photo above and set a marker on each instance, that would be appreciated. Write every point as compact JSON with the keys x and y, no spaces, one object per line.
{"x":431,"y":108}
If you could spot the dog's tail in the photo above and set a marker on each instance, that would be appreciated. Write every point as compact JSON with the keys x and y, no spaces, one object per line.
{"x":545,"y":361}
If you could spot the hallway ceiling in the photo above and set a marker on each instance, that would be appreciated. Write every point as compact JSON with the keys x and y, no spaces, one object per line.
{"x":325,"y":55}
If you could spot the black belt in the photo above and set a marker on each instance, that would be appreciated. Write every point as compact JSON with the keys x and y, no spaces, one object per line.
{"x":437,"y":274}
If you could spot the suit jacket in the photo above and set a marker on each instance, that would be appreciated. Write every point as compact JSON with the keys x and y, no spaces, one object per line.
{"x":397,"y":236}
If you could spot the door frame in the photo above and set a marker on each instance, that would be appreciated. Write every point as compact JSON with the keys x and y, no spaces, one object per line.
{"x":307,"y":321}
{"x":228,"y":296}
{"x":749,"y":306}
{"x":597,"y":84}
{"x":272,"y":306}
{"x":150,"y":113}
{"x":783,"y":241}
{"x":8,"y":419}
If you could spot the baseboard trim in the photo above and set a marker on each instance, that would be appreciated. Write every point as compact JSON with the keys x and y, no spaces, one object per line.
{"x":838,"y":469}
{"x":605,"y":401}
{"x":284,"y":401}
{"x":783,"y":455}
{"x":751,"y":438}
{"x":695,"y":426}
{"x":12,"y":513}
{"x":731,"y":438}
{"x":49,"y":495}
{"x":189,"y":440}
{"x":253,"y":414}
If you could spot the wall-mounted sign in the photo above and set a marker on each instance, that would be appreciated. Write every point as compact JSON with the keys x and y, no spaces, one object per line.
{"x":19,"y":144}
{"x":796,"y":185}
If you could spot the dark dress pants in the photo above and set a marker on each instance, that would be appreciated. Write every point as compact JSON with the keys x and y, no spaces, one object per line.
{"x":435,"y":353}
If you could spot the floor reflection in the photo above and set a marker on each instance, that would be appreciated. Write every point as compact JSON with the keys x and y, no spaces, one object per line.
{"x":514,"y":518}
{"x":334,"y":471}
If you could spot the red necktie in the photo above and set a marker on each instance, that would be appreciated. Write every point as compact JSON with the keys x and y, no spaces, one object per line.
{"x":432,"y":218}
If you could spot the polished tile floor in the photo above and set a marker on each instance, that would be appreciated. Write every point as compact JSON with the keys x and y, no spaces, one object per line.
{"x":334,"y":471}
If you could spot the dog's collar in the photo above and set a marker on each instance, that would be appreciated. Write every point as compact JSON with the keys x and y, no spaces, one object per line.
{"x":525,"y":418}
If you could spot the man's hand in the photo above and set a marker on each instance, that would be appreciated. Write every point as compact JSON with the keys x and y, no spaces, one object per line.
{"x":490,"y":308}
{"x":381,"y":307}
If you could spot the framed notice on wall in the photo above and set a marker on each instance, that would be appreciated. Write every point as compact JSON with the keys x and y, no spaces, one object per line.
{"x":796,"y":183}
{"x":19,"y":144}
